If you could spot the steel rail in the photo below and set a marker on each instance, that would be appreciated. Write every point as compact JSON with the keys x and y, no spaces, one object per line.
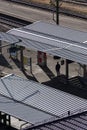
{"x":76,"y":2}
{"x":12,"y":21}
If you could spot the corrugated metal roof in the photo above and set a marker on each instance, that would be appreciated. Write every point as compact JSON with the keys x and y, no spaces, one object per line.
{"x":52,"y":39}
{"x":76,"y":122}
{"x":8,"y":38}
{"x":55,"y":40}
{"x":53,"y":30}
{"x":40,"y":96}
{"x":21,"y":111}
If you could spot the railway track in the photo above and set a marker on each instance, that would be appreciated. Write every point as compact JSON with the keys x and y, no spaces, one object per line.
{"x":16,"y":22}
{"x":64,"y":11}
{"x":77,"y":2}
{"x":12,"y":21}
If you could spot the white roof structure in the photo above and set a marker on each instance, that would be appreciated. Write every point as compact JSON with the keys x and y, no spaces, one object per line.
{"x":22,"y":111}
{"x":35,"y":102}
{"x":56,"y":40}
{"x":52,"y":39}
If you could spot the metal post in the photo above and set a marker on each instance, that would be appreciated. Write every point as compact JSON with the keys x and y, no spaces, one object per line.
{"x":0,"y":47}
{"x":57,"y":12}
{"x":67,"y":69}
{"x":4,"y":119}
{"x":84,"y":71}
{"x":30,"y":65}
{"x":0,"y":117}
{"x":21,"y":58}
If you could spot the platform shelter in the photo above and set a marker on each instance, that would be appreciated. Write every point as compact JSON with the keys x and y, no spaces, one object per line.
{"x":65,"y":43}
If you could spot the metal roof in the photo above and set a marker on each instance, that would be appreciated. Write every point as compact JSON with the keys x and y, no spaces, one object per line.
{"x":42,"y":97}
{"x":57,"y":31}
{"x":8,"y":38}
{"x":76,"y":122}
{"x":52,"y":39}
{"x":22,"y":111}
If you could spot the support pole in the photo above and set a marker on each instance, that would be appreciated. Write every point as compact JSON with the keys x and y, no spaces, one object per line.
{"x":30,"y":65}
{"x":0,"y":46}
{"x":57,"y":12}
{"x":67,"y":69}
{"x":84,"y":71}
{"x":0,"y":117}
{"x":21,"y":58}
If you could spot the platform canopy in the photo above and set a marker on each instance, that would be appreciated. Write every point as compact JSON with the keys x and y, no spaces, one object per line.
{"x":52,"y":39}
{"x":13,"y":100}
{"x":22,"y":111}
{"x":38,"y":102}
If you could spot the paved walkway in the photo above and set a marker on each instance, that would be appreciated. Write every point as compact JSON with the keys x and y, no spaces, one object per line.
{"x":40,"y":74}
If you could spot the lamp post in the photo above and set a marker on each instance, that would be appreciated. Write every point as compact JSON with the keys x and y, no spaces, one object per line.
{"x":55,"y":3}
{"x":57,"y":12}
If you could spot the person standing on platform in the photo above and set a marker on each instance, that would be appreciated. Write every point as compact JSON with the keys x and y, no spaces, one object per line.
{"x":57,"y":68}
